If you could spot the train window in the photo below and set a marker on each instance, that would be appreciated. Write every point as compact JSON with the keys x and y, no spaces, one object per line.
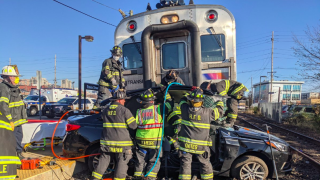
{"x":174,"y":55}
{"x":213,"y":48}
{"x":132,"y":56}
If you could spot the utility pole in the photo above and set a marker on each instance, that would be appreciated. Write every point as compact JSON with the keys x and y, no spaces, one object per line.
{"x":272,"y":39}
{"x":9,"y":61}
{"x":251,"y":92}
{"x":55,"y":71}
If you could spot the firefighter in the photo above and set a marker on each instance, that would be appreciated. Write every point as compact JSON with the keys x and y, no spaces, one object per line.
{"x":115,"y":142}
{"x":8,"y":157}
{"x":11,"y":104}
{"x":230,"y":88}
{"x":111,"y":77}
{"x":148,"y":135}
{"x":194,"y":138}
{"x":171,"y":76}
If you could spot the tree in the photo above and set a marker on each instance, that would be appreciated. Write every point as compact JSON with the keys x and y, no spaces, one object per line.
{"x":309,"y":55}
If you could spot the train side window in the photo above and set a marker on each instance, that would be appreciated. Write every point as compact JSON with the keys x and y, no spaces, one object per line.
{"x":213,"y":48}
{"x":174,"y":55}
{"x":131,"y":56}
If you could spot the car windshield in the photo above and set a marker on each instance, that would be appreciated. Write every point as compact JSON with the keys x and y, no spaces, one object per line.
{"x":31,"y":98}
{"x":66,"y":101}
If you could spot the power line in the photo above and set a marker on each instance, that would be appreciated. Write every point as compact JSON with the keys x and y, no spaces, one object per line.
{"x":105,"y":5}
{"x":84,"y":13}
{"x":254,"y":40}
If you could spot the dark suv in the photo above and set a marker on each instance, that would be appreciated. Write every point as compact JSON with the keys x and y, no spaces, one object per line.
{"x":235,"y":151}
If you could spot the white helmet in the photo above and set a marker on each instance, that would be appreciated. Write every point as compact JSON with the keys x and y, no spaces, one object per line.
{"x":9,"y":71}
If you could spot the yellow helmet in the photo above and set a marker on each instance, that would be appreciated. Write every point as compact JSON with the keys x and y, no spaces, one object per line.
{"x":10,"y":71}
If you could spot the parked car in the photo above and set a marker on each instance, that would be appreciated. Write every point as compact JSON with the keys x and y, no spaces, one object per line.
{"x":286,"y":110}
{"x":233,"y":149}
{"x":64,"y":105}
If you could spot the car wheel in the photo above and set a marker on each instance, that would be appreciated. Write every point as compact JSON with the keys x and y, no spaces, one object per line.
{"x":93,"y":161}
{"x":249,"y":167}
{"x":50,"y":116}
{"x":33,"y":111}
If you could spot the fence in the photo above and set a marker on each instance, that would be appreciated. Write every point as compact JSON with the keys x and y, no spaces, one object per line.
{"x":271,"y":111}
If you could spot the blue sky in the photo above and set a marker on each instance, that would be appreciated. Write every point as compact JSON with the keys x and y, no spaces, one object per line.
{"x":34,"y":31}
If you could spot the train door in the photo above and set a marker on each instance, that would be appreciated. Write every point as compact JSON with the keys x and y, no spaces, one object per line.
{"x":172,"y":53}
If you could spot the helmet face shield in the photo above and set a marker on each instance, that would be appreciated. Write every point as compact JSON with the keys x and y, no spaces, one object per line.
{"x":196,"y":104}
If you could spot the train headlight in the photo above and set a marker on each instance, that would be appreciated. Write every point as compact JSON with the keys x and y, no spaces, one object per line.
{"x":211,"y":16}
{"x":169,"y":19}
{"x":132,"y":26}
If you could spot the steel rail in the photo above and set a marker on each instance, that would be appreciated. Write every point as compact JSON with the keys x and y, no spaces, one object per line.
{"x":288,"y":130}
{"x":313,"y":161}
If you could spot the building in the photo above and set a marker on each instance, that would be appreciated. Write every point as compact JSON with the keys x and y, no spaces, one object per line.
{"x":34,"y":82}
{"x":287,"y":92}
{"x":24,"y":82}
{"x":66,"y":83}
{"x":310,"y":95}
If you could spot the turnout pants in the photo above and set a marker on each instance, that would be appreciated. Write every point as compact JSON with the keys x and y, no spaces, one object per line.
{"x":19,"y":135}
{"x":103,"y":94}
{"x":121,"y":164}
{"x":206,"y":170}
{"x":8,"y":157}
{"x":232,"y":104}
{"x":232,"y":112}
{"x":145,"y":161}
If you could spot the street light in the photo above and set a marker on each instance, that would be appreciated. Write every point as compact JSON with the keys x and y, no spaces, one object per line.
{"x":89,"y":39}
{"x":260,"y":88}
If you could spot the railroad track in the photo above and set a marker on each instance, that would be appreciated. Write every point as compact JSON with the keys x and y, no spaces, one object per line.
{"x":298,"y":142}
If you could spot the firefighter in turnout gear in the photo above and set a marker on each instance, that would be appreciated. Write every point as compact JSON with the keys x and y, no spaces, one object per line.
{"x":194,"y":138}
{"x":11,"y":104}
{"x":115,"y":141}
{"x":230,"y":88}
{"x":171,"y":76}
{"x":148,"y":135}
{"x":111,"y":77}
{"x":8,"y":158}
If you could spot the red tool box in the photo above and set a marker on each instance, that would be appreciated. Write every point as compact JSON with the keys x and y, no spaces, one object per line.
{"x":30,"y":164}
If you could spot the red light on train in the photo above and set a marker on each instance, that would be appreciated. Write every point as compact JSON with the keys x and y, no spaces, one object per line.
{"x":132,"y":26}
{"x":211,"y":16}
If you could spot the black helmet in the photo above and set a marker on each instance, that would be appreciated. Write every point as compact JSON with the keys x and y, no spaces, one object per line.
{"x":196,"y":95}
{"x":171,"y":75}
{"x":207,"y":86}
{"x":116,"y":50}
{"x":146,"y":96}
{"x":119,"y":94}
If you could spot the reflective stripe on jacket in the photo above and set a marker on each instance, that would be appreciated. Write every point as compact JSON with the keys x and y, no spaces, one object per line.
{"x":11,"y":104}
{"x":229,"y":87}
{"x":117,"y":120}
{"x":195,"y":127}
{"x":149,"y":130}
{"x":111,"y":69}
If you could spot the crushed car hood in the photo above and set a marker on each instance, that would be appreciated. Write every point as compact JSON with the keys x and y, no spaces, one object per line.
{"x":255,"y":134}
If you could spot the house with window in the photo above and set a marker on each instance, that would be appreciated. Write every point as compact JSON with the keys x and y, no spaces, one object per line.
{"x":287,"y":92}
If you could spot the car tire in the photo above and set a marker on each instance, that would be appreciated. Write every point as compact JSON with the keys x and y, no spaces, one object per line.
{"x":249,"y":166}
{"x":92,"y":162}
{"x":50,"y":116}
{"x":33,"y":111}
